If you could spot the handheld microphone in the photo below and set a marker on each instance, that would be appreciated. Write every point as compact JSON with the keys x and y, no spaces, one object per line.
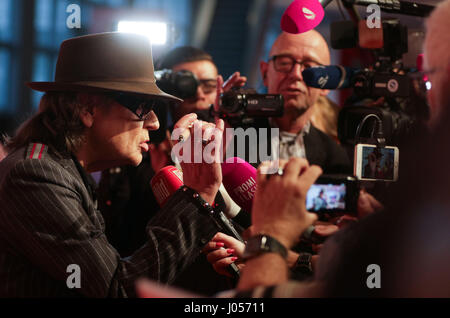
{"x":302,"y":16}
{"x":239,"y":178}
{"x":329,"y":77}
{"x":233,"y":211}
{"x":167,"y":181}
{"x":230,"y":208}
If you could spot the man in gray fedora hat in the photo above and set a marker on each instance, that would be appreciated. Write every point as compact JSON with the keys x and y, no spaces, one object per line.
{"x":95,"y":115}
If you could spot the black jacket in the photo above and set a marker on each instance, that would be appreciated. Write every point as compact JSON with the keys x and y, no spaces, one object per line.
{"x":49,"y":220}
{"x":320,"y":149}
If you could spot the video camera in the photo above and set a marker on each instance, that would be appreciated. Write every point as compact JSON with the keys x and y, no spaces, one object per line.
{"x":182,"y":84}
{"x":238,"y":106}
{"x":399,"y":95}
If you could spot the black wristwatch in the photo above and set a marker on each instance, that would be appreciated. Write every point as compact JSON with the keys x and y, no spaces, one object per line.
{"x":260,"y":244}
{"x":303,"y":264}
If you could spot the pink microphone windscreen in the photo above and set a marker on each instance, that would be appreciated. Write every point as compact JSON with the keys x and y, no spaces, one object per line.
{"x":239,"y":178}
{"x":302,"y":16}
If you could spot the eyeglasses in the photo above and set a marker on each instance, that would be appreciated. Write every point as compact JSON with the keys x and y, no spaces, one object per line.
{"x":208,"y":85}
{"x":286,"y":63}
{"x":141,"y":107}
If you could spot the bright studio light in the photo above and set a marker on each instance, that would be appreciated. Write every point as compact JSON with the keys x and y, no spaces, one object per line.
{"x":155,"y":31}
{"x":428,"y":85}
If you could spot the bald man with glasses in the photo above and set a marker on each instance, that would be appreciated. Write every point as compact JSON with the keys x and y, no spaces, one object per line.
{"x":282,"y":74}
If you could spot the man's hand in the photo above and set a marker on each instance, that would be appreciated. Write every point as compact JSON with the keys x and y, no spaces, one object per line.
{"x":367,"y":204}
{"x":203,"y":177}
{"x":279,"y":207}
{"x":234,"y":81}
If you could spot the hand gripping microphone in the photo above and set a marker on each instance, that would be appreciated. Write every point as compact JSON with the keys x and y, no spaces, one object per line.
{"x":302,"y":16}
{"x":239,"y":178}
{"x":170,"y":179}
{"x":167,"y":181}
{"x":329,"y":77}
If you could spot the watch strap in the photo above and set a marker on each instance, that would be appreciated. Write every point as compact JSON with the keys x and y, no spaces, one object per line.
{"x":303,"y":263}
{"x":261,"y":244}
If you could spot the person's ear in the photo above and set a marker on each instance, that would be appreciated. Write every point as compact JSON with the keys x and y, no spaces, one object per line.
{"x":87,"y":117}
{"x":263,"y":67}
{"x":87,"y":112}
{"x":324,"y":92}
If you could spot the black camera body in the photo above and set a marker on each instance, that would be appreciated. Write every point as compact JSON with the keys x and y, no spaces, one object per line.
{"x":182,"y":84}
{"x":241,"y":104}
{"x":369,"y":83}
{"x":238,"y":106}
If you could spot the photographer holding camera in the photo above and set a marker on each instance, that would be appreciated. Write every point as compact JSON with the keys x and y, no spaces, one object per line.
{"x":191,"y":74}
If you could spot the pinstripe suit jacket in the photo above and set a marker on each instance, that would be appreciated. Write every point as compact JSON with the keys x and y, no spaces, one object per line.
{"x":49,"y":220}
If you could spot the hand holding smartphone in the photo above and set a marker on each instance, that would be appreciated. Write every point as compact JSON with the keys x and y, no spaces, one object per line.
{"x":332,"y":193}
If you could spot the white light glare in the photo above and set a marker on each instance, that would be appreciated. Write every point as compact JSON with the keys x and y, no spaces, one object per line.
{"x":428,"y":85}
{"x":155,"y":31}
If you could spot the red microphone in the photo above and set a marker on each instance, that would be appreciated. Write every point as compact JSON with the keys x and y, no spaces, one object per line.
{"x":165,"y":182}
{"x":302,"y":16}
{"x":239,"y":178}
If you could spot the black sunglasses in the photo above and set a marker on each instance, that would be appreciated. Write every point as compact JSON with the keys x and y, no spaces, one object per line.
{"x":141,"y":107}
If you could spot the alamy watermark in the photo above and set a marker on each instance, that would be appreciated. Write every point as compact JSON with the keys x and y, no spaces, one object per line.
{"x":73,"y":21}
{"x":257,"y":145}
{"x":74,"y":279}
{"x":374,"y":279}
{"x":374,"y":19}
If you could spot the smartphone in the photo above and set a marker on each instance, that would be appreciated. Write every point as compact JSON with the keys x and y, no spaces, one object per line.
{"x":333,"y":193}
{"x":374,"y":163}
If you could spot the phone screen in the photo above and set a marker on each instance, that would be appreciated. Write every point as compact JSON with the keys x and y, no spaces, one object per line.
{"x":378,"y":163}
{"x":326,"y":197}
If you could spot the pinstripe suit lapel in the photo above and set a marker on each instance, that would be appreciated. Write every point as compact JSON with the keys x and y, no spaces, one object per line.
{"x":88,"y":200}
